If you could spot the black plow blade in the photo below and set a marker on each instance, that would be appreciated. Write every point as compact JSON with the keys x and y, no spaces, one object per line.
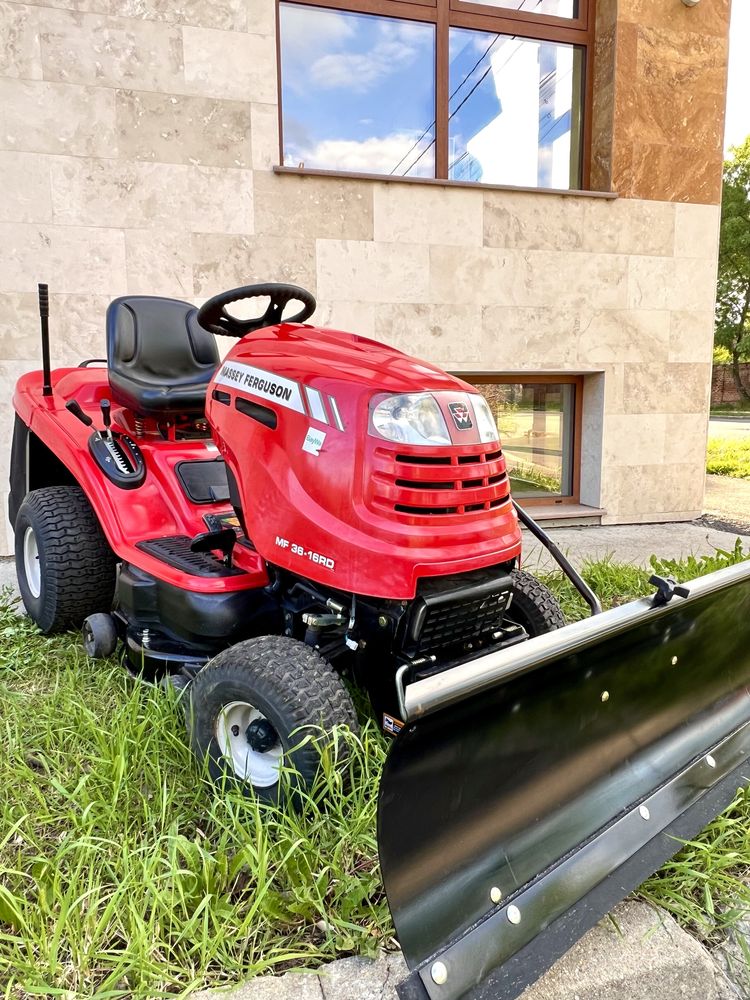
{"x":533,"y":788}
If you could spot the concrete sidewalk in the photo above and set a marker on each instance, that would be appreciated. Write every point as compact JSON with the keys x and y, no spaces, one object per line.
{"x":637,"y":953}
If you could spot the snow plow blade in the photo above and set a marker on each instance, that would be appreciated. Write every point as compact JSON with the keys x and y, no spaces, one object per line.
{"x":531,"y":789}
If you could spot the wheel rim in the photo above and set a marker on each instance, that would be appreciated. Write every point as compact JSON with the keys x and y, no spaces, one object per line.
{"x":31,"y":567}
{"x":260,"y":769}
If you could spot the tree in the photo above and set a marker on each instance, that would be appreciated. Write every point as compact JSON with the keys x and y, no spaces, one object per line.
{"x":733,"y":289}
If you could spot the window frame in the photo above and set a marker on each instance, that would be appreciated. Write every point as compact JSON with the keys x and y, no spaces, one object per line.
{"x":446,"y":14}
{"x":537,"y":378}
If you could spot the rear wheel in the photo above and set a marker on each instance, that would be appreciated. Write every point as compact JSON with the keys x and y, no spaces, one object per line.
{"x":534,"y":606}
{"x":247,"y":705}
{"x":65,"y":568}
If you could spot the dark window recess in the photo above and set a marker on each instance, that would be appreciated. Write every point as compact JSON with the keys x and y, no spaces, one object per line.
{"x":221,"y":397}
{"x":263,"y":414}
{"x":204,"y":482}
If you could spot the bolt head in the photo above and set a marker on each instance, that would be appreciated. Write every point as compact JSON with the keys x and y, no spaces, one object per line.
{"x":496,"y":894}
{"x":514,"y":914}
{"x":710,"y":760}
{"x":439,"y":973}
{"x":382,"y":621}
{"x":644,"y":811}
{"x":674,"y":661}
{"x":605,"y":695}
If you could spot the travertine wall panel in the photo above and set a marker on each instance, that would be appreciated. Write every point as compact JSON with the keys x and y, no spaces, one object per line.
{"x":137,"y":141}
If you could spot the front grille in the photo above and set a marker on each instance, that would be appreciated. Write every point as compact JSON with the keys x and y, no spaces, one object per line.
{"x":460,"y":612}
{"x":438,"y":485}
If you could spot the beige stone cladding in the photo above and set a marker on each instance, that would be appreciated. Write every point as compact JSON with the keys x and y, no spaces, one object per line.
{"x":137,"y":146}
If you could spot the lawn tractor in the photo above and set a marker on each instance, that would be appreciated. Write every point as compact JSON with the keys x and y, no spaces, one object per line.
{"x":318,"y":510}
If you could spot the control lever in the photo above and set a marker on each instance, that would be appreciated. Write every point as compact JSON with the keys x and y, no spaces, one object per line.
{"x":106,"y":416}
{"x":73,"y":406}
{"x":666,"y":589}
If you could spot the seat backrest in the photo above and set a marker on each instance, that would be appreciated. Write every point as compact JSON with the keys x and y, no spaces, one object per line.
{"x":148,"y":336}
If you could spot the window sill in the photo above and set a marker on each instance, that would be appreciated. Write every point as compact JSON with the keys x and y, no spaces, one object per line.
{"x":439,"y":182}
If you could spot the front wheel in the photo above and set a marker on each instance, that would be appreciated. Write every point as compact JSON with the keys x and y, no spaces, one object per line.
{"x":534,"y":606}
{"x":247,"y":706}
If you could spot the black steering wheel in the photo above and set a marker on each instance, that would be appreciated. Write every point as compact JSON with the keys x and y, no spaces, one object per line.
{"x":213,"y":316}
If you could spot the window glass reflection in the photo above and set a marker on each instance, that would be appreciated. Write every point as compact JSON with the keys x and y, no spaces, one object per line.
{"x":514,"y":110}
{"x":553,"y":8}
{"x":357,"y":92}
{"x":535,"y":421}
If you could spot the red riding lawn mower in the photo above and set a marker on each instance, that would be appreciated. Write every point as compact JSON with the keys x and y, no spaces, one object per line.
{"x":320,"y":506}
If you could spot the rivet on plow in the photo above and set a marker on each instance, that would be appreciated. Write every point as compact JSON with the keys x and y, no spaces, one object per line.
{"x":710,"y":760}
{"x":605,"y":695}
{"x":674,"y":661}
{"x":439,"y":973}
{"x":496,"y":894}
{"x":645,"y":814}
{"x":514,"y":914}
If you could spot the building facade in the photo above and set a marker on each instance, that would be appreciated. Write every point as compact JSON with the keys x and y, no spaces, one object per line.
{"x":525,"y":192}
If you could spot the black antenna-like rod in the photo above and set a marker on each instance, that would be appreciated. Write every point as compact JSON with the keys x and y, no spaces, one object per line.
{"x":44,"y":320}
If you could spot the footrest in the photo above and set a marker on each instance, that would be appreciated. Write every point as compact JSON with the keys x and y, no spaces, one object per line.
{"x":175,"y":550}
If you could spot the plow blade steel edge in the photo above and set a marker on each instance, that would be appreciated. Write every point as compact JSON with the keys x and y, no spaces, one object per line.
{"x":533,"y":788}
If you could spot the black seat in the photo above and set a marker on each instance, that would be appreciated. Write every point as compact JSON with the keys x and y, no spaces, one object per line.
{"x":160,"y":361}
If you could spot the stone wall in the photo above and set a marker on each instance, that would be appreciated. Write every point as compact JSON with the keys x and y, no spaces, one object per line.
{"x":137,"y":140}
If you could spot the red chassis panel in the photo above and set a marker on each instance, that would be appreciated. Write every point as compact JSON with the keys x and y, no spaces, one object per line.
{"x":156,"y":509}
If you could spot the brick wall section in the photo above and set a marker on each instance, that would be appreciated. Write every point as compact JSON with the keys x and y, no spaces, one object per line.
{"x":723,"y":386}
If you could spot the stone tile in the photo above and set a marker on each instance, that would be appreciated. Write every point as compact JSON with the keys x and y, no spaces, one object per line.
{"x":573,"y":279}
{"x":629,"y":226}
{"x":634,"y":439}
{"x":76,"y":259}
{"x":628,"y":491}
{"x":711,"y":20}
{"x":444,"y":335}
{"x":649,"y":282}
{"x":684,"y":60}
{"x":26,"y":188}
{"x":159,"y":263}
{"x":352,"y":317}
{"x":261,"y":17}
{"x":658,"y":387}
{"x":697,"y":231}
{"x":228,"y":15}
{"x":487,"y":275}
{"x":57,"y":118}
{"x":622,"y":335}
{"x":691,"y":335}
{"x":19,"y":41}
{"x":531,"y":337}
{"x":112,"y":52}
{"x":264,"y":133}
{"x":659,"y":118}
{"x":693,"y":286}
{"x":672,"y":171}
{"x":363,"y":978}
{"x":77,"y":329}
{"x":219,"y":200}
{"x":151,"y":195}
{"x":240,"y":67}
{"x":131,"y":195}
{"x":221,"y":261}
{"x":312,"y":207}
{"x":527,"y":221}
{"x":372,"y":272}
{"x":410,"y":213}
{"x":300,"y":985}
{"x":173,"y":128}
{"x":685,"y":437}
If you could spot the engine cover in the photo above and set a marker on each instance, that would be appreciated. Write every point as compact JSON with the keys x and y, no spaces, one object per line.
{"x":327,"y":497}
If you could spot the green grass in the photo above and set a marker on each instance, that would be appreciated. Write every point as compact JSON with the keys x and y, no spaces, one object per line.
{"x":123,"y":875}
{"x":729,"y":457}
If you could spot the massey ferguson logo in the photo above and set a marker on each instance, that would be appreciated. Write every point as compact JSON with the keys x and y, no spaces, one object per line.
{"x":461,"y":416}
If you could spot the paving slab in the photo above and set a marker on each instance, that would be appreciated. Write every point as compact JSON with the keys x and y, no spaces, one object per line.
{"x":637,"y":953}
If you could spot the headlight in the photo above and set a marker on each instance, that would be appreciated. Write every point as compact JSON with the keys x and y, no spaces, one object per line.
{"x":413,"y":418}
{"x":485,"y":421}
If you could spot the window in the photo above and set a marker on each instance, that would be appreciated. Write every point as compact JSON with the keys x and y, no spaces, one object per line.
{"x":538,"y":418}
{"x":487,"y":91}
